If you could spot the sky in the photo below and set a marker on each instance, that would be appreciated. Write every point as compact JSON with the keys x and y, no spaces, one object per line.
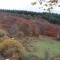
{"x":23,"y":5}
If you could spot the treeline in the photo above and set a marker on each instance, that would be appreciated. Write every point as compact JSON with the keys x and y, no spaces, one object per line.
{"x":51,"y":17}
{"x":25,"y":14}
{"x":20,"y":12}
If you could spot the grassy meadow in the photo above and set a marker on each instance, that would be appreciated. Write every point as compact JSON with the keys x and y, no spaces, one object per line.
{"x":43,"y":47}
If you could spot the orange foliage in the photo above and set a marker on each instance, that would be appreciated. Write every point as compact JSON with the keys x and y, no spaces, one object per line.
{"x":6,"y":25}
{"x":31,"y":27}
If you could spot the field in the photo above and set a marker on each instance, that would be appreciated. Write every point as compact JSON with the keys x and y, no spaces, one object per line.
{"x":44,"y":47}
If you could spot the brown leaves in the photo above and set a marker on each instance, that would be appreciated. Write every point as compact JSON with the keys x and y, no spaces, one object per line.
{"x":53,"y":1}
{"x":45,"y":4}
{"x":48,"y":3}
{"x":34,"y":3}
{"x":48,"y":9}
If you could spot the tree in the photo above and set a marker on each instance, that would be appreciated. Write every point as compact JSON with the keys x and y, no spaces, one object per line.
{"x":14,"y":29}
{"x":9,"y":47}
{"x":46,"y":4}
{"x":25,"y":29}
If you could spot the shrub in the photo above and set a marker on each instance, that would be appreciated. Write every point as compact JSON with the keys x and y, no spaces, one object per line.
{"x":14,"y":29}
{"x":20,"y":34}
{"x":1,"y":33}
{"x":9,"y":47}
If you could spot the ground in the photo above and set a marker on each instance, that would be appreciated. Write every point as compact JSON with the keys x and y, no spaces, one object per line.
{"x":40,"y":46}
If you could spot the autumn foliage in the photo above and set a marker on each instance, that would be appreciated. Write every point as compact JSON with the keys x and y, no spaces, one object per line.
{"x":15,"y":25}
{"x":9,"y":47}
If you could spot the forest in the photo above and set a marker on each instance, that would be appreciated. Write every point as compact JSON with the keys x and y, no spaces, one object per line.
{"x":51,"y":17}
{"x":26,"y":35}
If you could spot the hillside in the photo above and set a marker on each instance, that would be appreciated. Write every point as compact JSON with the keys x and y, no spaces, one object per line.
{"x":29,"y":27}
{"x":29,"y":35}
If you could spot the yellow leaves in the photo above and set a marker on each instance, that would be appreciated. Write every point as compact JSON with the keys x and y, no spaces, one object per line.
{"x":34,"y":3}
{"x":53,"y":1}
{"x":9,"y":46}
{"x":7,"y":42}
{"x":48,"y":3}
{"x":48,"y":9}
{"x":13,"y":43}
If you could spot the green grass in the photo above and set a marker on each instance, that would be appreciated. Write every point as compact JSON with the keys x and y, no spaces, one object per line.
{"x":39,"y":47}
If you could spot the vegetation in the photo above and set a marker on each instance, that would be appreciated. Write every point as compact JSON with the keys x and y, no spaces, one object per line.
{"x":46,"y":48}
{"x":1,"y":33}
{"x":49,"y":4}
{"x":9,"y":47}
{"x":51,"y":17}
{"x":24,"y":29}
{"x":14,"y":24}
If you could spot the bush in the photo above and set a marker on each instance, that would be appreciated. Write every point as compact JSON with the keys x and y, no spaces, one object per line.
{"x":1,"y":33}
{"x":20,"y":34}
{"x":9,"y":47}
